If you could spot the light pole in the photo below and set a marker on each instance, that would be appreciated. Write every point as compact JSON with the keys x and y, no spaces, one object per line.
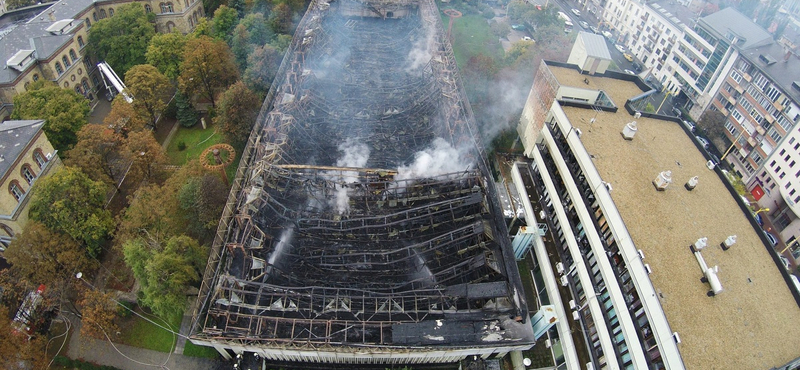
{"x":733,"y":144}
{"x":761,"y":210}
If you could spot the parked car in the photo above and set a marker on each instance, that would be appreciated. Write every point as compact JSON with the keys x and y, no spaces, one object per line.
{"x":628,"y":71}
{"x":636,"y":67}
{"x":584,"y":24}
{"x":594,"y":29}
{"x":526,"y":38}
{"x":608,"y":34}
{"x":518,"y":27}
{"x":786,"y":264}
{"x":759,"y":220}
{"x":628,"y":57}
{"x":677,"y":112}
{"x":702,"y":141}
{"x":772,"y":239}
{"x":620,"y":48}
{"x":576,"y":12}
{"x":689,"y":125}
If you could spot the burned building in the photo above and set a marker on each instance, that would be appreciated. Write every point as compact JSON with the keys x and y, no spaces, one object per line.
{"x":363,"y":225}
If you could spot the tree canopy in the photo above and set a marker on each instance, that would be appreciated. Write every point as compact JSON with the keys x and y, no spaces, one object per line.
{"x":224,"y":21}
{"x":17,"y":349}
{"x":122,"y":40}
{"x":97,"y":154}
{"x":41,"y":256}
{"x":165,"y":52}
{"x":146,"y":155}
{"x":151,"y":91}
{"x":237,"y":112}
{"x":208,"y":68}
{"x":262,"y":65}
{"x":63,"y":110}
{"x":123,"y":118}
{"x":69,"y":202}
{"x":98,"y":314}
{"x":165,"y":272}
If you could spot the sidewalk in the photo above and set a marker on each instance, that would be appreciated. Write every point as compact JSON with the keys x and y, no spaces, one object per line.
{"x":127,"y":357}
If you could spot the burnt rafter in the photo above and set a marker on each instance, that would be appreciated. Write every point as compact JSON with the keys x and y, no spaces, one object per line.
{"x":364,"y":203}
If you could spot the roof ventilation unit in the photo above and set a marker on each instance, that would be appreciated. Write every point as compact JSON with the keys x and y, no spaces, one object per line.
{"x":637,"y":115}
{"x":699,"y":244}
{"x":692,"y":183}
{"x":629,"y":130}
{"x":728,"y":243}
{"x":663,"y":180}
{"x":560,"y":268}
{"x":564,"y":281}
{"x":711,"y":165}
{"x":576,"y":316}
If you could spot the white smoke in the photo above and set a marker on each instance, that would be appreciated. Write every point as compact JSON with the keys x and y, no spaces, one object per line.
{"x":438,"y":159}
{"x":421,"y":55}
{"x":354,"y":154}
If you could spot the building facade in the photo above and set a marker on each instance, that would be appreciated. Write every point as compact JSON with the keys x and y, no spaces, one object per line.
{"x":51,"y":46}
{"x":25,"y":157}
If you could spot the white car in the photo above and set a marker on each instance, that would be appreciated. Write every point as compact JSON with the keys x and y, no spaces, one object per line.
{"x":607,"y":34}
{"x":704,"y":143}
{"x":786,"y":264}
{"x":628,"y":71}
{"x":576,"y":12}
{"x":620,"y":48}
{"x":584,"y":24}
{"x":772,"y":239}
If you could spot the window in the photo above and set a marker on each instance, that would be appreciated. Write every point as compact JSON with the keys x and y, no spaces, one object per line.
{"x":80,"y":42}
{"x":736,"y":76}
{"x":783,"y":151}
{"x":147,"y":8}
{"x":94,"y":16}
{"x":775,"y":135}
{"x":757,"y":157}
{"x":170,"y":27}
{"x":39,"y":158}
{"x":111,"y":12}
{"x":791,"y":165}
{"x":16,"y":190}
{"x":73,"y":56}
{"x":28,"y":174}
{"x":78,"y":89}
{"x":88,"y":23}
{"x":66,"y":61}
{"x":85,"y":84}
{"x":736,"y":115}
{"x":59,"y":70}
{"x":35,"y":77}
{"x":166,"y":7}
{"x":102,"y":13}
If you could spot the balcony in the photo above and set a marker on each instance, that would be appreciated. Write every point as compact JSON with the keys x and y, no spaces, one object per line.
{"x":778,"y":106}
{"x":747,"y":77}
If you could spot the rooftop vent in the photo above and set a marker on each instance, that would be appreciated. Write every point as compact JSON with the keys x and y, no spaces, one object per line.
{"x":728,"y":243}
{"x":796,"y":85}
{"x":663,"y":180}
{"x":692,"y":183}
{"x":629,"y":130}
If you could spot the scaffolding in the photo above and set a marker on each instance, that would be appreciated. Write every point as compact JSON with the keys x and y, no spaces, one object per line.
{"x":313,"y":250}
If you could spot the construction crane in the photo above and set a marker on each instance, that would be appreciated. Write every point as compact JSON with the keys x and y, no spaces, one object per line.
{"x":117,"y":86}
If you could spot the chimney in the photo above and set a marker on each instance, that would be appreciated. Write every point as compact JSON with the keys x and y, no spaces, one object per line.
{"x":692,"y":183}
{"x":787,"y":56}
{"x":52,"y":15}
{"x":629,"y":130}
{"x":664,"y":178}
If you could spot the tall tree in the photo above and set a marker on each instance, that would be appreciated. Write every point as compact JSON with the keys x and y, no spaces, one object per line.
{"x":280,"y":20}
{"x":187,"y":116}
{"x":262,"y":65}
{"x":257,"y":28}
{"x":165,"y":52}
{"x":207,"y":68}
{"x":241,"y":46}
{"x":201,"y":200}
{"x":224,"y":21}
{"x":165,"y":273}
{"x":146,"y":155}
{"x":123,"y":119}
{"x":122,"y":40}
{"x":70,"y":202}
{"x":17,"y":350}
{"x":63,"y":110}
{"x":97,"y":153}
{"x":151,"y":91}
{"x":238,"y":109}
{"x":98,"y":314}
{"x":42,"y":256}
{"x":712,"y":124}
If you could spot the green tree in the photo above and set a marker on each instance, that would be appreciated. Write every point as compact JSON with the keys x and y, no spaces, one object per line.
{"x":187,"y":115}
{"x":165,"y":272}
{"x":201,"y":200}
{"x":263,"y":64}
{"x":165,"y":52}
{"x":208,"y":68}
{"x":211,"y":6}
{"x":712,"y":125}
{"x":70,"y":202}
{"x":240,"y":46}
{"x":237,"y":112}
{"x":97,"y":153}
{"x":122,"y":40}
{"x":41,"y":256}
{"x":63,"y":110}
{"x":257,"y":29}
{"x":203,"y":28}
{"x":280,"y":20}
{"x":224,"y":21}
{"x":151,"y":91}
{"x":145,"y":154}
{"x":123,"y":118}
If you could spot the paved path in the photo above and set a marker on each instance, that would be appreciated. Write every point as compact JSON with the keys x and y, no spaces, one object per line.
{"x":127,"y":357}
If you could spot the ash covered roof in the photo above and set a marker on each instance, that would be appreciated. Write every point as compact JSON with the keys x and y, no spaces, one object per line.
{"x":365,"y":217}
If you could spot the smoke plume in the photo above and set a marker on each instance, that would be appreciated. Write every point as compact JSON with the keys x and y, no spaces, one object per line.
{"x":438,"y":159}
{"x":354,"y":154}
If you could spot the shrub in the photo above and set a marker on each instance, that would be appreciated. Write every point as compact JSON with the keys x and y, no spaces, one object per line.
{"x":181,"y":146}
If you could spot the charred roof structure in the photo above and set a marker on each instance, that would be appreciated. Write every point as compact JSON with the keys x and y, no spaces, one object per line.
{"x":363,"y":225}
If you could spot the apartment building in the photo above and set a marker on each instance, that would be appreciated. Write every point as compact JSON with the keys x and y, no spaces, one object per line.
{"x":760,"y":98}
{"x":51,"y":45}
{"x":651,"y":259}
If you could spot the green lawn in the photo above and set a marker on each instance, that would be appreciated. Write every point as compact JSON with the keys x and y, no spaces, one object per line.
{"x":199,"y":351}
{"x":196,"y":139}
{"x":471,"y":36}
{"x":140,"y":333}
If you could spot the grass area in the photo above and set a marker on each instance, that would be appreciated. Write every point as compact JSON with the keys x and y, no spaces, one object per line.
{"x":199,"y":351}
{"x":471,"y":35}
{"x":138,"y":332}
{"x":196,"y":140}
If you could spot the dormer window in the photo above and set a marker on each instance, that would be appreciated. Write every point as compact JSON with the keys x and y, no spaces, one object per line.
{"x":21,"y":60}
